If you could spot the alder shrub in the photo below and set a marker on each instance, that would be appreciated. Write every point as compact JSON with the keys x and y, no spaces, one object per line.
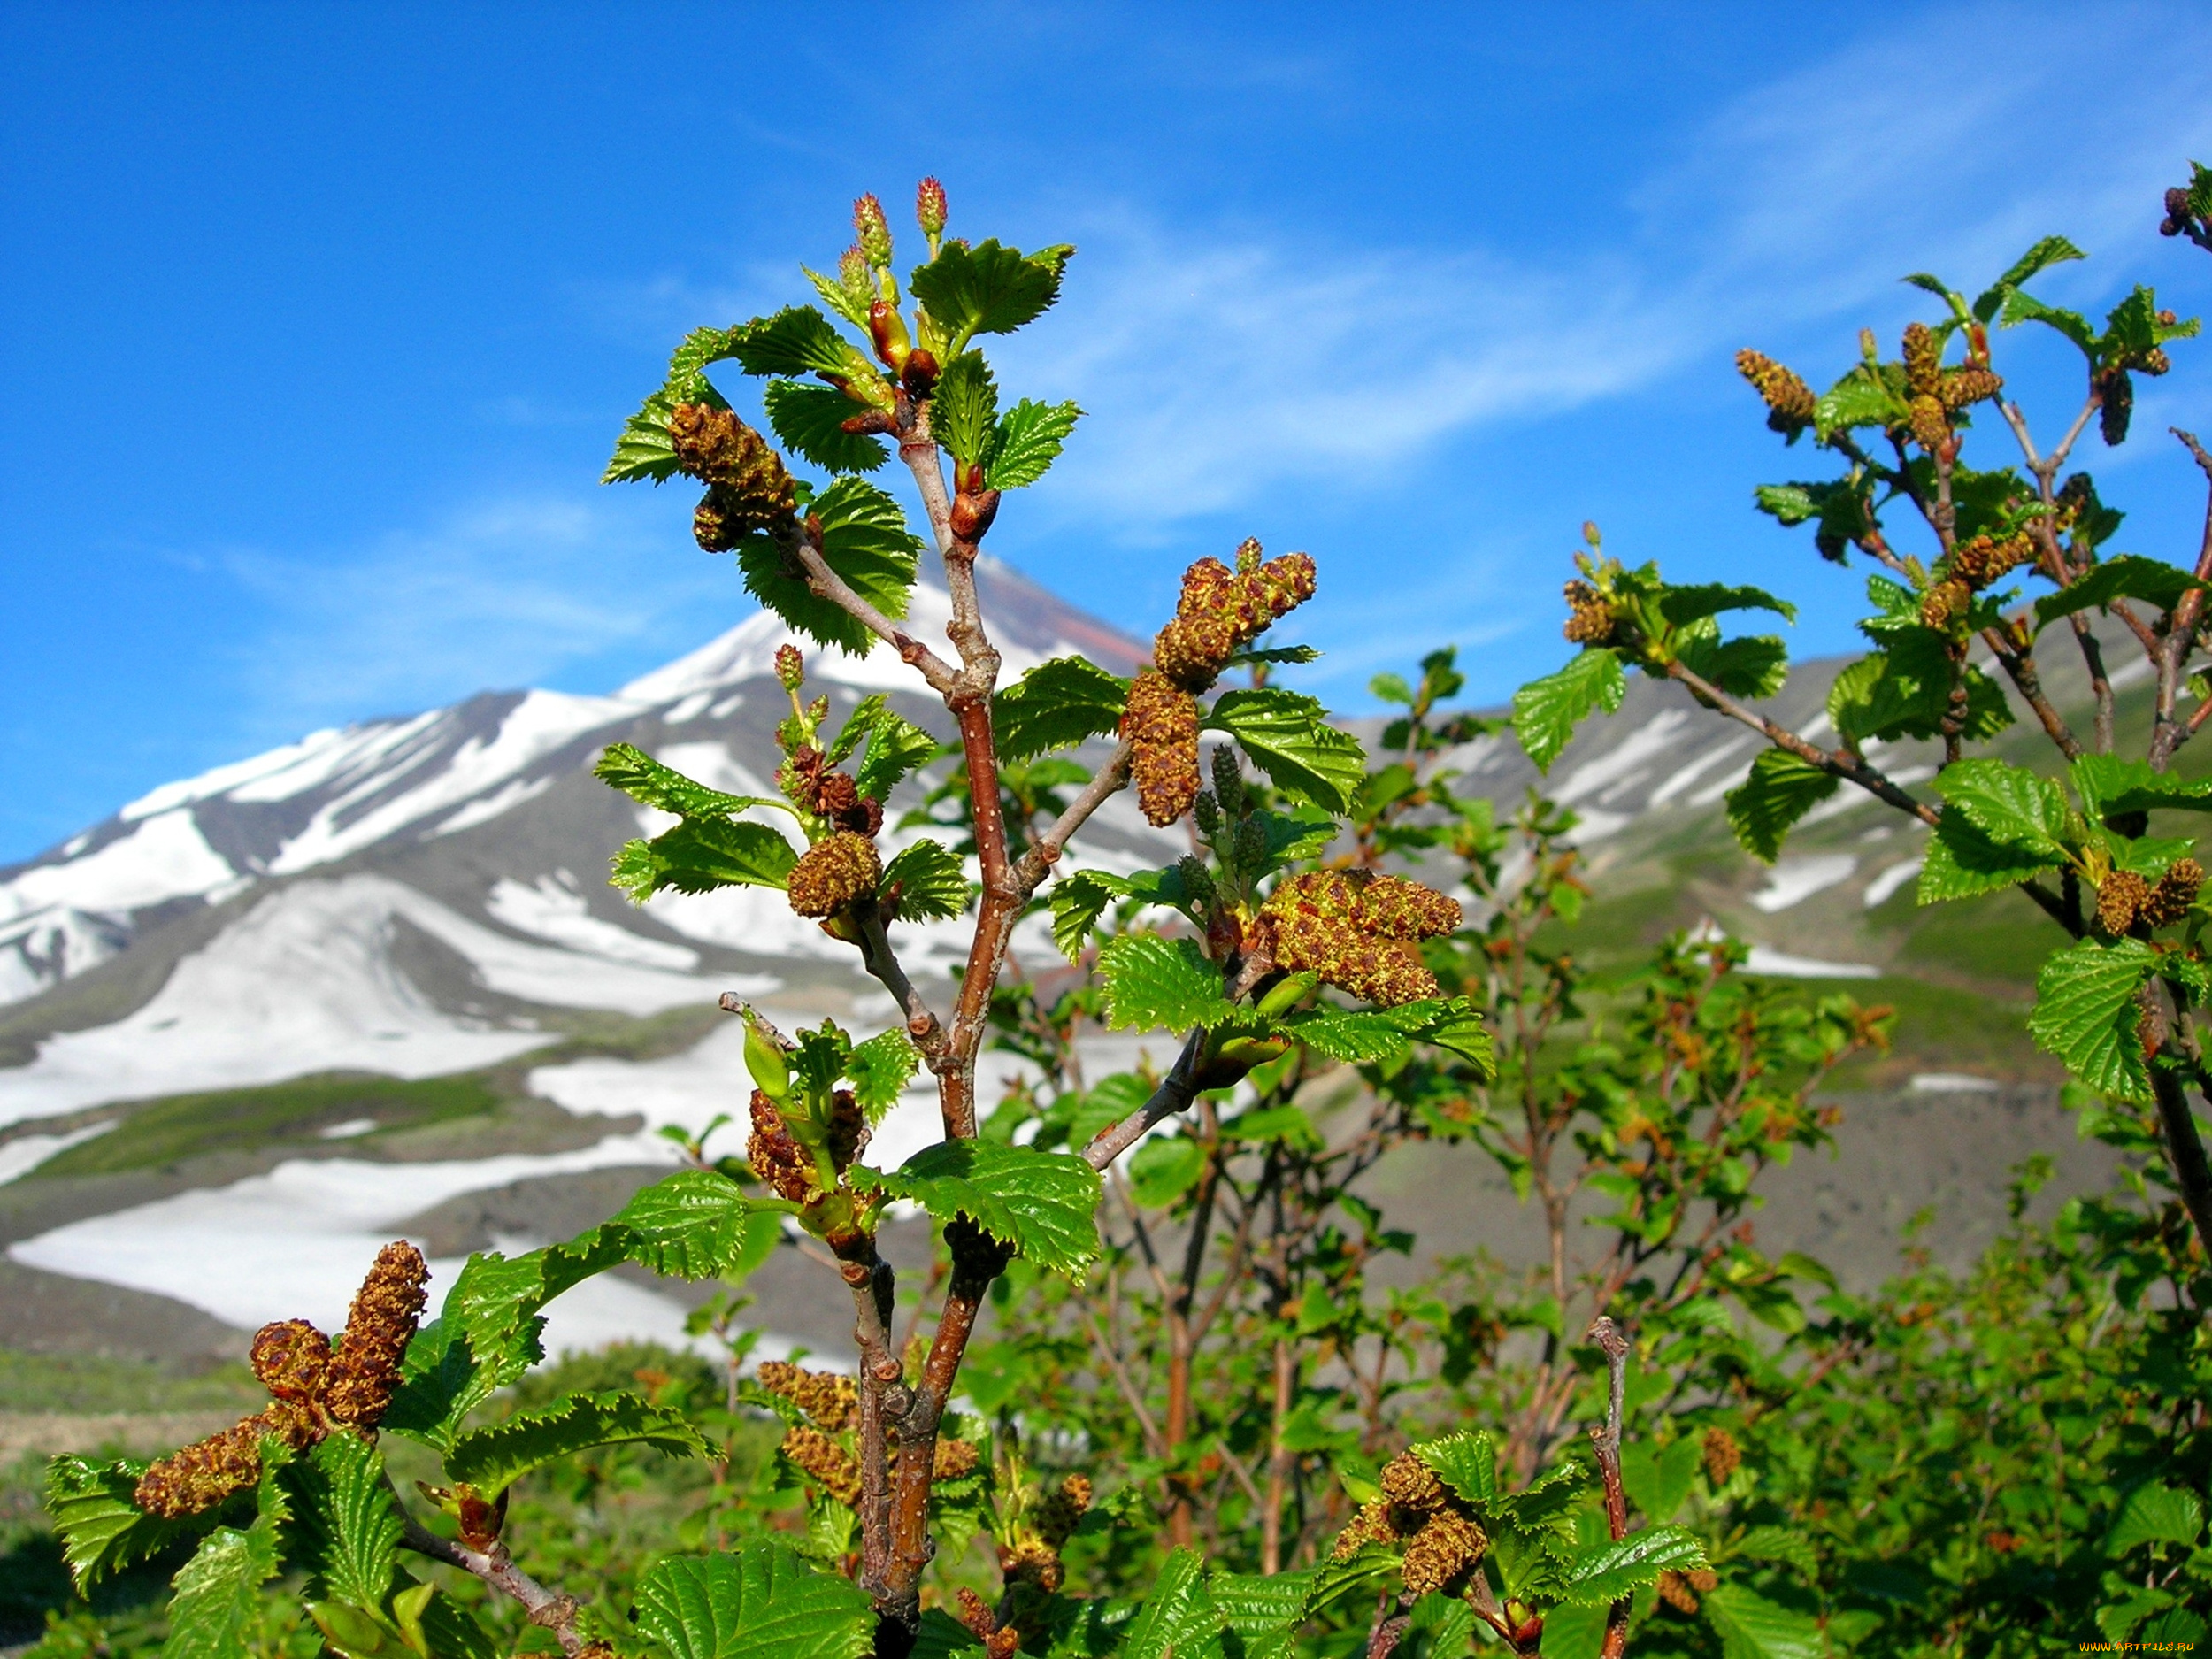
{"x":1177,"y":1401}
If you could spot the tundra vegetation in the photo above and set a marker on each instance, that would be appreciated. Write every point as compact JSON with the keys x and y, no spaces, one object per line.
{"x":1161,"y":1393}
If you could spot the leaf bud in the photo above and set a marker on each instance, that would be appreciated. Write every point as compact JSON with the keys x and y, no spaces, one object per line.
{"x":766,"y":1061}
{"x":929,"y":208}
{"x":790,"y":667}
{"x":888,"y":330}
{"x":972,"y":515}
{"x":1590,"y":534}
{"x":1228,"y":780}
{"x":1207,"y":810}
{"x":873,"y":232}
{"x":919,"y":376}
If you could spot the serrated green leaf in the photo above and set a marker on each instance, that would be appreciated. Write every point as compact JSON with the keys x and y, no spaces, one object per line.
{"x":1262,"y":1608}
{"x":933,"y":884}
{"x":880,"y":1069}
{"x":2049,"y":251}
{"x":492,"y":1459}
{"x":1056,"y":704}
{"x":1602,"y":1573}
{"x":1289,"y":738}
{"x":865,"y":541}
{"x":988,"y":288}
{"x":692,"y":1225}
{"x":644,"y":448}
{"x":1680,"y":605}
{"x":1545,"y":711}
{"x":2127,"y":576}
{"x":648,"y":782}
{"x":102,"y":1528}
{"x":2012,"y":806}
{"x":1658,"y":1478}
{"x":217,"y":1600}
{"x":1151,"y":982}
{"x":1756,"y":665}
{"x":347,"y":1510}
{"x":1781,"y":789}
{"x":1467,"y":1462}
{"x":1781,"y":1544}
{"x":852,"y":307}
{"x":2025,"y":308}
{"x":1078,"y":900}
{"x":810,"y":419}
{"x":1028,"y":441}
{"x":2156,"y":1513}
{"x":1752,"y":1627}
{"x":964,"y":410}
{"x":1865,"y":397}
{"x":2085,"y":1013}
{"x":1170,"y":1601}
{"x":701,"y":854}
{"x":760,"y":1600}
{"x":2109,"y":786}
{"x":1573,"y":1632}
{"x":797,"y":340}
{"x":1043,"y":1203}
{"x":1164,"y":1169}
{"x":896,"y":746}
{"x":1961,"y":863}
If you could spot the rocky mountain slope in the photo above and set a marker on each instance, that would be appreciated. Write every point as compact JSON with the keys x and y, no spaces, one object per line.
{"x":375,"y":980}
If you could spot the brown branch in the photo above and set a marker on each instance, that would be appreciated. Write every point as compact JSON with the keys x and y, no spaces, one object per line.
{"x":1120,"y":1372}
{"x":1044,"y":852}
{"x":2178,"y":1124}
{"x":2019,"y":666}
{"x":2181,"y":634}
{"x":1845,"y":764}
{"x":1607,"y":1443}
{"x":883,"y":1402}
{"x":548,"y":1609}
{"x":825,"y":583}
{"x":1175,"y":1092}
{"x":882,"y":963}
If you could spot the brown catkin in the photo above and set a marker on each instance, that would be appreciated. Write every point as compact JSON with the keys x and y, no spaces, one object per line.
{"x":1321,"y":923}
{"x":1944,"y":604}
{"x":848,"y":1129}
{"x":1220,"y":609}
{"x":364,"y":1369}
{"x":1161,"y":723}
{"x":204,"y":1474}
{"x":1031,"y":1561}
{"x":1393,"y":907}
{"x":1931,"y":424}
{"x":952,"y":1459}
{"x":1789,"y":400}
{"x":1590,"y":619}
{"x":291,"y":1359}
{"x":778,"y":1161}
{"x":1446,"y":1545}
{"x":1063,"y":1510}
{"x":716,"y":448}
{"x":829,"y":1465}
{"x":2117,"y":393}
{"x":1924,"y":360}
{"x":1674,"y":1590}
{"x":2175,"y":892}
{"x":1721,"y":1456}
{"x":1962,"y":386}
{"x":833,"y":872}
{"x":832,"y":1399}
{"x":2121,"y":897}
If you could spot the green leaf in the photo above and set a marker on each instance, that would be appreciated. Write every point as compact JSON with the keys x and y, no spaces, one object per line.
{"x":1780,"y":790}
{"x":2109,"y":786}
{"x":648,"y":782}
{"x":1545,"y":711}
{"x":932,"y":884}
{"x":2155,"y":1513}
{"x":2049,"y":251}
{"x":1151,"y":982}
{"x":1961,"y":863}
{"x":218,"y":1600}
{"x":1602,"y":1573}
{"x":2130,"y":576}
{"x":701,"y":854}
{"x":644,"y":449}
{"x":2012,"y":806}
{"x":811,"y":421}
{"x":1041,"y":1203}
{"x":987,"y":289}
{"x":865,"y":541}
{"x":1289,"y":738}
{"x":2085,"y":1013}
{"x":103,"y":1529}
{"x":1056,"y":704}
{"x":760,"y":1600}
{"x":797,"y":340}
{"x":1865,"y":397}
{"x":880,"y":1069}
{"x":1164,"y":1167}
{"x":1170,"y":1601}
{"x":1029,"y":440}
{"x":1756,"y":665}
{"x":346,"y":1506}
{"x":1264,"y":1610}
{"x":692,"y":1225}
{"x":1659,"y":1479}
{"x":1680,"y":605}
{"x":1078,"y":900}
{"x":492,"y":1459}
{"x":964,"y":410}
{"x":1782,"y":1544}
{"x":896,"y":746}
{"x":2025,"y":308}
{"x":1573,"y":1632}
{"x":1372,"y":1035}
{"x":1467,"y":1462}
{"x":1752,"y":1627}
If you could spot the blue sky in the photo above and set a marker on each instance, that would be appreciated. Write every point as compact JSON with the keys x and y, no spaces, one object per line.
{"x":317,"y":322}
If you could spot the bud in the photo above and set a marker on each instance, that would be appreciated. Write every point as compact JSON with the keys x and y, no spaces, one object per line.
{"x":1590,"y":534}
{"x":1228,"y":780}
{"x":929,"y":208}
{"x":972,"y":515}
{"x":1207,"y":810}
{"x":1869,"y":347}
{"x":1248,"y":552}
{"x":1250,"y":846}
{"x":873,"y":232}
{"x":2117,"y":393}
{"x":765,"y":1062}
{"x":1198,"y":882}
{"x":887,"y":329}
{"x":852,"y":274}
{"x":790,"y":667}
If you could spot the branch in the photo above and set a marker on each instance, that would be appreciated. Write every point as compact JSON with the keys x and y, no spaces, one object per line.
{"x":1607,"y":1443}
{"x":2019,"y":665}
{"x":547,"y":1608}
{"x":1036,"y":864}
{"x":2178,"y":1124}
{"x":826,"y":584}
{"x":1843,"y":763}
{"x":882,"y":963}
{"x":1175,"y":1092}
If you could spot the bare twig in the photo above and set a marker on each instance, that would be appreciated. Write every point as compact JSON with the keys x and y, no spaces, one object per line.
{"x":1177,"y":1090}
{"x":547,"y":1608}
{"x":1607,"y":1443}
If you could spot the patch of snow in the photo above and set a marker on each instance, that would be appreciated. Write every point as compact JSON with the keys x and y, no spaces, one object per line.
{"x":377,"y":752}
{"x":1713,"y":792}
{"x":19,"y":1157}
{"x":1892,"y":878}
{"x":221,"y":779}
{"x":41,"y":950}
{"x":728,"y":706}
{"x":690,"y":709}
{"x":1850,"y":797}
{"x":1775,"y":962}
{"x":713,"y":766}
{"x":1951,"y":1083}
{"x":1647,"y":744}
{"x":756,"y":921}
{"x":1794,"y":880}
{"x":486,"y":808}
{"x":1697,"y":768}
{"x":554,"y":908}
{"x":1596,"y":824}
{"x":349,"y":1129}
{"x":2130,"y":674}
{"x":165,"y":857}
{"x":542,"y":722}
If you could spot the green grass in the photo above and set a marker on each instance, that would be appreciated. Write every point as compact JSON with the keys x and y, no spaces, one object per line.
{"x":166,"y":1132}
{"x":91,"y":1385}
